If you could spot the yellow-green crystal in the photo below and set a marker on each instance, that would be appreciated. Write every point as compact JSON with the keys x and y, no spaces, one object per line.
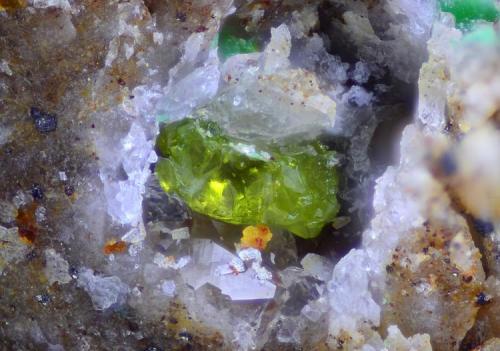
{"x":293,"y":186}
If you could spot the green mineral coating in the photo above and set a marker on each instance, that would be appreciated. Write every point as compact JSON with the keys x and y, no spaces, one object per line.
{"x":484,"y":35}
{"x":162,"y":117}
{"x":293,"y":187}
{"x":231,"y":44}
{"x":467,"y":12}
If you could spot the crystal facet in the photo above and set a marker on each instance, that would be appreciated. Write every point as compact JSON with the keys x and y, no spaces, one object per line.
{"x":292,"y":186}
{"x":230,"y":43}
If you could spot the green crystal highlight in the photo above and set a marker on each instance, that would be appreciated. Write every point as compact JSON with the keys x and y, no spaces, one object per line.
{"x":289,"y":186}
{"x":483,"y":35}
{"x":467,"y":12}
{"x":233,"y":42}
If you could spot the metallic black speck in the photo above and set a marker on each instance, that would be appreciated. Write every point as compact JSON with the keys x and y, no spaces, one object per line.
{"x":448,"y":164}
{"x":482,"y":299}
{"x":69,"y":190}
{"x":73,"y":272}
{"x":44,"y":122}
{"x":153,"y":348}
{"x":37,"y":191}
{"x":185,"y":336}
{"x":43,"y":299}
{"x":483,"y":227}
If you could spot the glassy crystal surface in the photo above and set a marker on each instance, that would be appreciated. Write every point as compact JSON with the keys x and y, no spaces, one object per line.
{"x":289,"y":186}
{"x":233,"y":41}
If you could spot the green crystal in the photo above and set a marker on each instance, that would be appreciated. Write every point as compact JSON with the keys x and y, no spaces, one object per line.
{"x":293,"y":187}
{"x":483,"y":35}
{"x":467,"y":12}
{"x":232,"y":42}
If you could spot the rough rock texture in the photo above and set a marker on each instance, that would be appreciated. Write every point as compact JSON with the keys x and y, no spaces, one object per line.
{"x":466,"y":161}
{"x":74,"y":170}
{"x":425,"y":266}
{"x":426,"y":274}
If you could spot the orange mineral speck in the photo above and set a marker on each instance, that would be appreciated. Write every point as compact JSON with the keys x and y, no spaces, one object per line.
{"x":256,"y":236}
{"x":12,"y":4}
{"x":26,"y":223}
{"x":115,"y":247}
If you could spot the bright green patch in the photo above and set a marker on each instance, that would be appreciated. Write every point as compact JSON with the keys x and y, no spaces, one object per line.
{"x":468,"y":12}
{"x":484,"y":35}
{"x":293,"y":187}
{"x":162,"y":117}
{"x":232,"y":43}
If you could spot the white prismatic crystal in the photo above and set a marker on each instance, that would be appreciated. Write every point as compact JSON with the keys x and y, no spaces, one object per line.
{"x":104,"y":291}
{"x":199,"y":86}
{"x":4,"y":67}
{"x":250,"y":254}
{"x":288,"y":332}
{"x":358,"y":96}
{"x":317,"y":266}
{"x":244,"y":337}
{"x":180,"y":233}
{"x":208,"y":260}
{"x":56,"y":268}
{"x":170,"y":262}
{"x":12,"y":248}
{"x":350,"y":297}
{"x":434,"y":77}
{"x":315,"y":310}
{"x":63,"y":4}
{"x":265,"y":99}
{"x":361,"y":73}
{"x":396,"y":341}
{"x":8,"y":211}
{"x":125,"y":196}
{"x":168,"y":288}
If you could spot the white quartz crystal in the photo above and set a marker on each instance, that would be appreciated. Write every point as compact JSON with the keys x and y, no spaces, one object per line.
{"x":170,"y":261}
{"x":208,"y":258}
{"x":168,"y":288}
{"x":264,"y":98}
{"x":56,"y":268}
{"x":317,"y":266}
{"x":180,"y":233}
{"x":396,"y":341}
{"x":63,"y":4}
{"x":104,"y":291}
{"x":350,"y":297}
{"x":125,"y":196}
{"x":12,"y":248}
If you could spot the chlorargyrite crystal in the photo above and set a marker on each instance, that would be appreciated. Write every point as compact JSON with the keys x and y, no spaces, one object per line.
{"x":292,"y":186}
